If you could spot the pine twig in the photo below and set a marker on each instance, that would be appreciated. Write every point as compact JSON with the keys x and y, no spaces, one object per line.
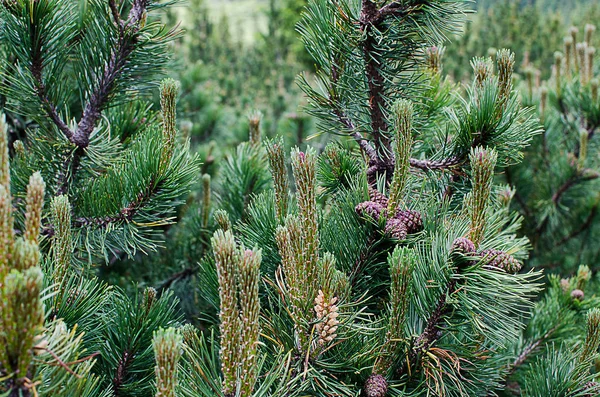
{"x":528,"y":350}
{"x":119,"y":378}
{"x":100,"y":96}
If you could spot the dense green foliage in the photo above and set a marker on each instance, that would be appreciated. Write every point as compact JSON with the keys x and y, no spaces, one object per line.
{"x":367,"y":198}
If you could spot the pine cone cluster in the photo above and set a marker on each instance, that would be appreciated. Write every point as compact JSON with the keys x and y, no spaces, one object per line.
{"x":375,"y":386}
{"x":495,"y":259}
{"x":404,"y":222}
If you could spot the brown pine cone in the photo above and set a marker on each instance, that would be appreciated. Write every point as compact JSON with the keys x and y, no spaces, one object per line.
{"x":375,"y":386}
{"x":378,"y":197}
{"x":501,"y":260}
{"x":412,"y":219}
{"x":463,"y":245}
{"x":369,"y":209}
{"x":396,"y":228}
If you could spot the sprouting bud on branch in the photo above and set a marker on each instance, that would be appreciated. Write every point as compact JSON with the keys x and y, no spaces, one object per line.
{"x":483,"y":69}
{"x":254,"y":119}
{"x":21,"y":322}
{"x":189,"y":334}
{"x":280,"y":179}
{"x":583,"y":149}
{"x":206,"y":195}
{"x":543,"y":102}
{"x":167,"y":345}
{"x":226,"y":258}
{"x":592,"y":340}
{"x":581,"y":55}
{"x":238,"y":271}
{"x":222,"y":219}
{"x":4,"y":159}
{"x":169,"y":89}
{"x":589,"y":33}
{"x":568,"y":49}
{"x":62,"y":241}
{"x":402,"y":263}
{"x":149,"y":298}
{"x":483,"y":162}
{"x":304,"y":167}
{"x":590,"y":53}
{"x":506,"y":66}
{"x":34,"y":202}
{"x":558,"y":58}
{"x":403,"y":115}
{"x":25,"y":255}
{"x":433,"y":59}
{"x":249,"y":306}
{"x":7,"y":233}
{"x":573,"y":33}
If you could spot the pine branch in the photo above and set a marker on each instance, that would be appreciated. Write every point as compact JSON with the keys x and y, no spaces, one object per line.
{"x":126,"y":214}
{"x":36,"y":69}
{"x":431,"y":332}
{"x":100,"y":96}
{"x":370,"y":19}
{"x":528,"y":350}
{"x":572,"y":181}
{"x":427,"y":165}
{"x":121,"y":374}
{"x":182,"y":275}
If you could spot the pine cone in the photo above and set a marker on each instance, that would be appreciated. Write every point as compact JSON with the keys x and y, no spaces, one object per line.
{"x":378,"y":197}
{"x":463,"y":245}
{"x":396,"y":228}
{"x":412,"y":219}
{"x":375,"y":386}
{"x":369,"y":209}
{"x":501,"y":260}
{"x":577,"y":295}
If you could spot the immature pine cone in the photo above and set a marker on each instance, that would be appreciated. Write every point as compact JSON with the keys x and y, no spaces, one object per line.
{"x":378,"y":197}
{"x":412,"y":219}
{"x":577,"y":294}
{"x":501,"y":260}
{"x":375,"y":386}
{"x":369,"y":209}
{"x":396,"y":228}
